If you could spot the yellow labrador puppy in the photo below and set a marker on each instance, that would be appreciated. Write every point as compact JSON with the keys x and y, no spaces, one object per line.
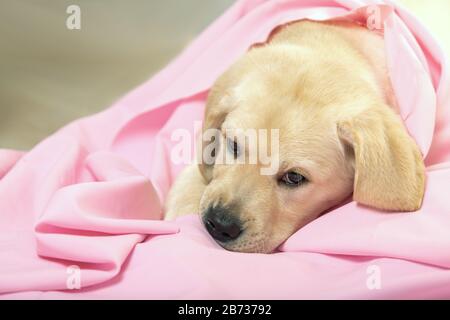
{"x":325,"y":86}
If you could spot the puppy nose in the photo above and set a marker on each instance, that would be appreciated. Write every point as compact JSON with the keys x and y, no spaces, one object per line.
{"x":222,"y":225}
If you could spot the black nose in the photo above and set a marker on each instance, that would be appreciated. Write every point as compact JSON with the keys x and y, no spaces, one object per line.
{"x":221,"y":224}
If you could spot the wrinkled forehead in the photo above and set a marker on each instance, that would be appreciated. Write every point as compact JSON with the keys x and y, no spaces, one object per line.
{"x":258,"y":106}
{"x":304,"y":137}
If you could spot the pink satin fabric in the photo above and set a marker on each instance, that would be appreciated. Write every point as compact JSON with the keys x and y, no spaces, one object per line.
{"x":91,"y":195}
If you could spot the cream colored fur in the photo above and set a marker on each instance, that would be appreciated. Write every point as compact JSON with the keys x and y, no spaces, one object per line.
{"x":326,"y":87}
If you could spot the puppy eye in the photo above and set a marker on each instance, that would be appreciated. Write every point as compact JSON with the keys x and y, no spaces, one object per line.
{"x":233,"y":148}
{"x":293,"y":179}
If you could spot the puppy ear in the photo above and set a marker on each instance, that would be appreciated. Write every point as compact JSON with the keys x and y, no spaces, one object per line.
{"x":389,"y":169}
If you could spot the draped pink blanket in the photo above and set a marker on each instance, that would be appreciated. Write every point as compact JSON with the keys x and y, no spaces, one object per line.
{"x":80,"y":214}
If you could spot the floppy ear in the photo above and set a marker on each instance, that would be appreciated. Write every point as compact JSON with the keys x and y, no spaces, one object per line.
{"x":218,"y":105}
{"x":389,"y":169}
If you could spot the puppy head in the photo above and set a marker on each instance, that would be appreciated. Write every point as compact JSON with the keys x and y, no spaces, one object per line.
{"x":328,"y":148}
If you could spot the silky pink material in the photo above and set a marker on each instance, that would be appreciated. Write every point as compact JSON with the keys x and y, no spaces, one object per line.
{"x":91,"y":194}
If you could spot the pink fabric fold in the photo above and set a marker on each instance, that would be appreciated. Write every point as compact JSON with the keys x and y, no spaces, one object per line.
{"x":85,"y":205}
{"x":8,"y":160}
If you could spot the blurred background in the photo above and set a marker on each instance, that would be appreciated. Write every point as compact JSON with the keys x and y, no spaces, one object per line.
{"x":50,"y":75}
